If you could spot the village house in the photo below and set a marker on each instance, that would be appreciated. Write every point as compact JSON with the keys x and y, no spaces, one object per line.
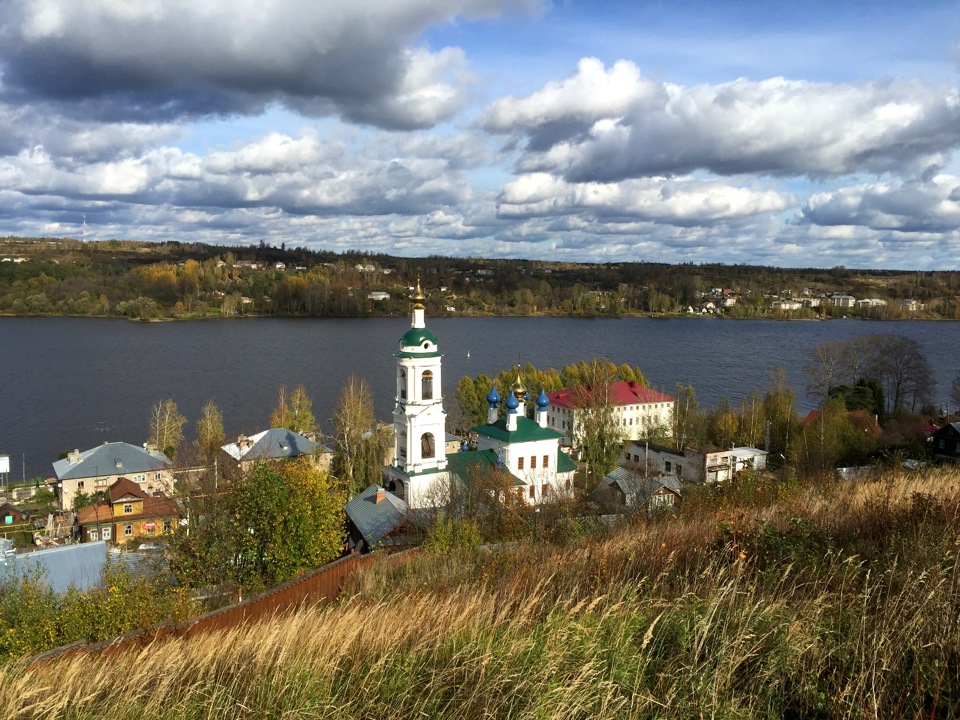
{"x":96,"y":469}
{"x":277,"y":444}
{"x":126,"y":512}
{"x":843,"y":301}
{"x":375,"y":516}
{"x":11,"y":515}
{"x":623,"y":489}
{"x":945,"y":442}
{"x":636,"y":410}
{"x":701,"y":464}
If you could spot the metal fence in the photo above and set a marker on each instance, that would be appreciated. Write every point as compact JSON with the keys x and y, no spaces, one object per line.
{"x":321,"y":585}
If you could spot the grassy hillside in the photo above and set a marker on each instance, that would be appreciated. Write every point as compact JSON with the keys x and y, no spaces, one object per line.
{"x":832,"y":601}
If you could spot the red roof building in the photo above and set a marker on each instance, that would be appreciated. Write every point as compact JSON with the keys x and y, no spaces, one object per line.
{"x":636,"y":409}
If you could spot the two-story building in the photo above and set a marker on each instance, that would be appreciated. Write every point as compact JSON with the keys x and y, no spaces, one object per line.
{"x":635,"y":410}
{"x":701,"y":464}
{"x":93,"y":471}
{"x":127,"y":512}
{"x":277,"y":444}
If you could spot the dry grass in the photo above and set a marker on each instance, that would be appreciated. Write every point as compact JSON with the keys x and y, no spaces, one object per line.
{"x":833,"y":601}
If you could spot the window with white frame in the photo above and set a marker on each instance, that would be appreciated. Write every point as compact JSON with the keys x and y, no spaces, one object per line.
{"x":128,"y":530}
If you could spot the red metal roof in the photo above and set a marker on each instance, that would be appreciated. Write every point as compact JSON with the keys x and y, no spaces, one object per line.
{"x":621,"y":393}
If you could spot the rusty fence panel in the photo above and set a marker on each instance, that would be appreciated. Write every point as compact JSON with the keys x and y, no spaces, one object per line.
{"x":323,"y":584}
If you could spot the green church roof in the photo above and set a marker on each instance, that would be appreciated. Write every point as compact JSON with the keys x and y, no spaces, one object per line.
{"x":527,"y":431}
{"x":460,"y":465}
{"x":416,"y":337}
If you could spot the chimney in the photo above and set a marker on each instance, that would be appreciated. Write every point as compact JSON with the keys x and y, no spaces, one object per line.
{"x":74,"y":457}
{"x":381,"y":496}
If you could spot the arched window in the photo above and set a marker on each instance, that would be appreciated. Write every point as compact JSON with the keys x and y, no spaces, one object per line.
{"x":403,"y":384}
{"x":402,"y":445}
{"x":426,"y":385}
{"x":427,"y":446}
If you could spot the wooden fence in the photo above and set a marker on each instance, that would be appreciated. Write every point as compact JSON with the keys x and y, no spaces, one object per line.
{"x":323,"y":584}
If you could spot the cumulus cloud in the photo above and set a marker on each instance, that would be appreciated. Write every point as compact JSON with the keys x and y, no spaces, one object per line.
{"x":113,"y":59}
{"x":682,"y":201}
{"x":918,"y":206}
{"x":777,"y":127}
{"x":304,"y":175}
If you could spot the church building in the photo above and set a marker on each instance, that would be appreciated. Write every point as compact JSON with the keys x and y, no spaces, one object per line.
{"x":422,"y":475}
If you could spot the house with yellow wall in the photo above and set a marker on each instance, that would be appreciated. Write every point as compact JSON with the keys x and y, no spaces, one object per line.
{"x":127,"y":512}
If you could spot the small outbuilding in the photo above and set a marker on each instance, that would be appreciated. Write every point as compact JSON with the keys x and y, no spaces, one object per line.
{"x":625,"y":489}
{"x":945,"y":442}
{"x":372,"y":516}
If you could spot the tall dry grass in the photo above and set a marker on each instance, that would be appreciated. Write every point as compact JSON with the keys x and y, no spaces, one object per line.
{"x":840,"y":600}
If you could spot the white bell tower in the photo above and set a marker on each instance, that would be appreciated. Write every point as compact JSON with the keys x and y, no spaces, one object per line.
{"x":419,"y":420}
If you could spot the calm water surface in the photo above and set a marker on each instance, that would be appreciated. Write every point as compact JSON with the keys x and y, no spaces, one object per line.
{"x":73,"y":383}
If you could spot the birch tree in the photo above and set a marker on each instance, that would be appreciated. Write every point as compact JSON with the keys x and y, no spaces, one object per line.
{"x":281,"y":416}
{"x":301,"y":412}
{"x":210,"y":434}
{"x":360,"y":444}
{"x":598,"y":431}
{"x":166,"y":426}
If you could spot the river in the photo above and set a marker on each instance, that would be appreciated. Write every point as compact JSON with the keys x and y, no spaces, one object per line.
{"x":76,"y":382}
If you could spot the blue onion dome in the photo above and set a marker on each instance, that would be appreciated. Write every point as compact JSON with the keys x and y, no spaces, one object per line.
{"x":512,"y":403}
{"x":493,"y":397}
{"x":542,"y":399}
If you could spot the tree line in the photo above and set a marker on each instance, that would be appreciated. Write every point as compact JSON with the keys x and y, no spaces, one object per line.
{"x":182,"y":280}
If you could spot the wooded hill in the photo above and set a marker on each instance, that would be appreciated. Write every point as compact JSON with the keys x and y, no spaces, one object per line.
{"x":51,"y":276}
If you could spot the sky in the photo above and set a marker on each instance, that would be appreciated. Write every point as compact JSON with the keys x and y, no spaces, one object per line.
{"x":787,"y":134}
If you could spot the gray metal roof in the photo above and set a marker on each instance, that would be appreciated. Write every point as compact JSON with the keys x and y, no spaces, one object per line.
{"x":273,"y":444}
{"x":79,"y":565}
{"x":111,"y":458}
{"x":375,"y":519}
{"x":637,"y":486}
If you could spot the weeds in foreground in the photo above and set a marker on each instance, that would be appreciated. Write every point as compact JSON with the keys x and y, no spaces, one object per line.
{"x":830,"y":601}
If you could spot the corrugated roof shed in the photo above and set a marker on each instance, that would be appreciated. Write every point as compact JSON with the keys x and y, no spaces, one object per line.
{"x":638,"y":488}
{"x":78,"y":565}
{"x":374,"y":520}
